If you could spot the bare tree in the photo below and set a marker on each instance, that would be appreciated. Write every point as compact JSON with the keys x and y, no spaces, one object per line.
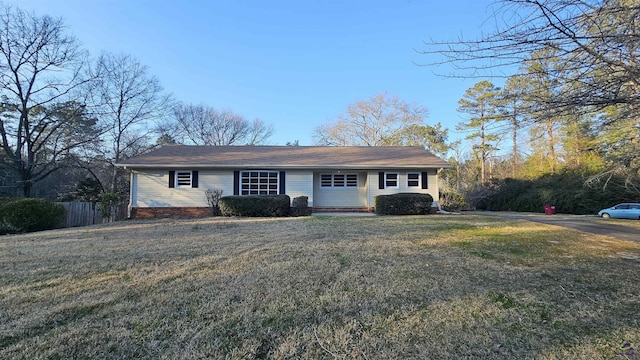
{"x":40,"y":67}
{"x":598,"y":41}
{"x":371,"y":122}
{"x":204,"y":125}
{"x":126,"y":98}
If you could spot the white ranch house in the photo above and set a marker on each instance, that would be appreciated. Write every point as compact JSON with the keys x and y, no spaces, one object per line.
{"x":172,"y":180}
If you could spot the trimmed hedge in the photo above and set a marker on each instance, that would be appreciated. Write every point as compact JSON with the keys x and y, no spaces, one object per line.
{"x":255,"y":205}
{"x":29,"y":214}
{"x":403,"y":204}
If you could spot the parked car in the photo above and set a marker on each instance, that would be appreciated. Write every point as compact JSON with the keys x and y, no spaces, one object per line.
{"x":621,"y":211}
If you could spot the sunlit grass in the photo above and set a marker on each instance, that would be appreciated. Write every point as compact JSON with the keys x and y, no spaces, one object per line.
{"x":622,"y":222}
{"x":327,"y":287}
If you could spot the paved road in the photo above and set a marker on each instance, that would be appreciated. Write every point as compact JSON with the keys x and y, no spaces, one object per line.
{"x":582,"y":223}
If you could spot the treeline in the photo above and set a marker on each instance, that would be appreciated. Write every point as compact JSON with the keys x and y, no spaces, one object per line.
{"x":564,"y":129}
{"x":67,"y":117}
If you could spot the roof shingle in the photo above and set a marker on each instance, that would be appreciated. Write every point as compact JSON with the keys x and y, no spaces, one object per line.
{"x":286,"y":157}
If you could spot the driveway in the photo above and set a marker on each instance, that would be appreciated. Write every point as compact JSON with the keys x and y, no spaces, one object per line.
{"x":584,"y":223}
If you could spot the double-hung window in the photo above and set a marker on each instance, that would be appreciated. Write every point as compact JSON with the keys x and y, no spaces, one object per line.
{"x":413,"y":180}
{"x":259,"y":183}
{"x":339,"y":180}
{"x":391,"y":180}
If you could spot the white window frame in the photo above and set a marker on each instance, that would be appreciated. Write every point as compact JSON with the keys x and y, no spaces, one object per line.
{"x":178,"y":183}
{"x":339,"y":180}
{"x":247,"y":188}
{"x":386,"y":180}
{"x":418,"y":180}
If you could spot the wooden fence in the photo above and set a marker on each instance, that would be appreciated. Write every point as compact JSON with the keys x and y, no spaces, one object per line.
{"x":81,"y":213}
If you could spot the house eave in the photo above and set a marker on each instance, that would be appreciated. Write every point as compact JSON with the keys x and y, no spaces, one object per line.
{"x":282,"y":166}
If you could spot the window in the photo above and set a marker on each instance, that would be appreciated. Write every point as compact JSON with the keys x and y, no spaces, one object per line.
{"x":413,"y":179}
{"x":339,"y":180}
{"x":183,"y":179}
{"x":391,"y":180}
{"x":259,"y":183}
{"x":326,"y":180}
{"x":352,"y":180}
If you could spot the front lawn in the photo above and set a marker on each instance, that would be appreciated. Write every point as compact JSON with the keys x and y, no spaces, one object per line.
{"x":321,"y":287}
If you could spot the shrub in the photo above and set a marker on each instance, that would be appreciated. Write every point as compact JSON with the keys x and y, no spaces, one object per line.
{"x":4,"y":227}
{"x":255,"y":205}
{"x":213,"y":199}
{"x":300,"y":206}
{"x":28,"y":215}
{"x":452,"y":201}
{"x":403,"y":204}
{"x":568,"y":191}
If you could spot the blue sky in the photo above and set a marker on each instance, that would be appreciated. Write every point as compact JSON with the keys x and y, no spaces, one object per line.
{"x":294,"y":64}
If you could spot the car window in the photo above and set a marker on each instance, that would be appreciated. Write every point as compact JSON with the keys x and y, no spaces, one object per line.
{"x":634,"y":206}
{"x":623,"y":206}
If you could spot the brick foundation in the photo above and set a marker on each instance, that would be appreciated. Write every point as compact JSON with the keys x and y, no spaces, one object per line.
{"x":170,"y":212}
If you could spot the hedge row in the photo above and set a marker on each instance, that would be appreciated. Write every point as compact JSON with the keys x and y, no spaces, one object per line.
{"x":569,"y":192}
{"x":403,"y":204}
{"x":28,"y":215}
{"x":255,"y":205}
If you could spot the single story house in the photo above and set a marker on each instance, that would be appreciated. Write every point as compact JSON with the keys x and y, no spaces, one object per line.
{"x":172,"y":180}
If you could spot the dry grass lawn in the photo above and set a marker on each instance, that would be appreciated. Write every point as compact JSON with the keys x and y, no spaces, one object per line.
{"x":321,"y":287}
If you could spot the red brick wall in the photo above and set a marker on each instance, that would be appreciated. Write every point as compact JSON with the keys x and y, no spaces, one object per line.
{"x":170,"y":212}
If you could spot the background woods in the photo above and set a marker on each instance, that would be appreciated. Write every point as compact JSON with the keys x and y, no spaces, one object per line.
{"x":552,"y":117}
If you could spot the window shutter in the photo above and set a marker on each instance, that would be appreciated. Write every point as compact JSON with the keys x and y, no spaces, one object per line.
{"x":172,"y":179}
{"x":236,"y":183}
{"x":425,"y":180}
{"x":282,"y":182}
{"x":194,"y":179}
{"x":381,"y":180}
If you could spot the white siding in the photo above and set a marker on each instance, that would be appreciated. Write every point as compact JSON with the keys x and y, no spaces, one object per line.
{"x":340,"y":197}
{"x":299,"y":183}
{"x":151,"y":188}
{"x":402,"y":182}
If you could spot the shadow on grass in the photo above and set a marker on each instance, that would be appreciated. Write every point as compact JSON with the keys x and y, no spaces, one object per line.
{"x":58,"y":319}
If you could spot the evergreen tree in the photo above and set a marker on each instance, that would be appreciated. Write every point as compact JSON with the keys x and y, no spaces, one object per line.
{"x":481,"y":103}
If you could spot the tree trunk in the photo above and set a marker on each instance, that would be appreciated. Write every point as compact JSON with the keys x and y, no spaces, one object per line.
{"x":551,"y":139}
{"x":483,"y":154}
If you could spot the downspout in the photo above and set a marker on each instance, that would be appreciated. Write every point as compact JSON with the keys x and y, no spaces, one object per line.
{"x":368,"y":184}
{"x":130,"y":195}
{"x":437,"y":200}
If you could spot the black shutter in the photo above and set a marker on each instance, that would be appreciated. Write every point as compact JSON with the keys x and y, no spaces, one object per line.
{"x":282,"y":182}
{"x":236,"y":183}
{"x":425,"y":180}
{"x":172,"y":179}
{"x":194,"y":179}
{"x":381,"y":180}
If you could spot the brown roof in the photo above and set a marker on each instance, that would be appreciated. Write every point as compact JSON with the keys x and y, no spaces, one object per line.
{"x":357,"y":157}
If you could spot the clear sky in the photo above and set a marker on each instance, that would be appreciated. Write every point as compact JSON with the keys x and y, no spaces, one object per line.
{"x":294,"y":64}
